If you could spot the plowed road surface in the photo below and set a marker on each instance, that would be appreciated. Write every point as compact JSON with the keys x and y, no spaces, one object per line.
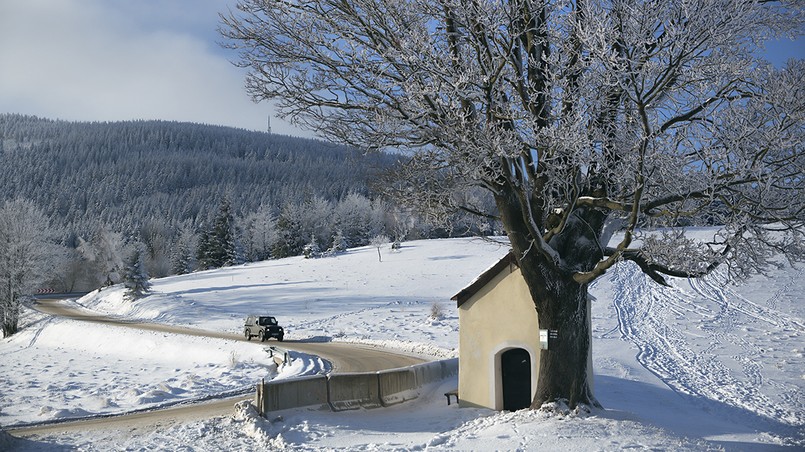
{"x":343,"y":357}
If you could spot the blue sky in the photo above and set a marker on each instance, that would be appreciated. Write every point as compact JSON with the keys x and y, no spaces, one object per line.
{"x":108,"y":60}
{"x":781,"y":50}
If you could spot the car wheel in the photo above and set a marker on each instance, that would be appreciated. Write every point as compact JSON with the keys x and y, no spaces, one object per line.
{"x":248,"y":335}
{"x":262,"y":336}
{"x":280,"y":337}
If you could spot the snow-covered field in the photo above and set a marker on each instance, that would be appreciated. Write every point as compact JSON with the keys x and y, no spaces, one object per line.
{"x":701,"y":365}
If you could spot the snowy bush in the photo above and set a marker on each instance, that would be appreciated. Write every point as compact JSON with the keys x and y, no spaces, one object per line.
{"x":436,"y":311}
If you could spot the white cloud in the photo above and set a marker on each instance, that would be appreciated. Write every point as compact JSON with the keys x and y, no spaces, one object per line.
{"x":102,"y":61}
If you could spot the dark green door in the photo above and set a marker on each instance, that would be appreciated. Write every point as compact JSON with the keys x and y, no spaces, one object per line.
{"x":515,"y":366}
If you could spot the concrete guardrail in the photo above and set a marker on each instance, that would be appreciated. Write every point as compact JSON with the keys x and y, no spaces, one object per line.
{"x":352,"y":391}
{"x":292,"y":393}
{"x":397,"y":386}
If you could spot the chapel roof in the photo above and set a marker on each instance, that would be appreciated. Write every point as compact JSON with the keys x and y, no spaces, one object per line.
{"x":483,"y":279}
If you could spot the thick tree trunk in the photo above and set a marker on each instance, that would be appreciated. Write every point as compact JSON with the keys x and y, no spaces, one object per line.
{"x":10,"y":311}
{"x":560,"y":302}
{"x":563,"y":371}
{"x":561,"y":306}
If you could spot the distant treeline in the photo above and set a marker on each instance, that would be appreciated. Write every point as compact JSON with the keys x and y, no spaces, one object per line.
{"x":165,"y":188}
{"x":126,"y":173}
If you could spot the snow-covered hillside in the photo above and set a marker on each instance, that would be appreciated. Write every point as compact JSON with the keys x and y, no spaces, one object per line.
{"x":700,"y":365}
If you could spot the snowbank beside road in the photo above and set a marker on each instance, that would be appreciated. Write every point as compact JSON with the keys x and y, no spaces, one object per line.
{"x":65,"y":369}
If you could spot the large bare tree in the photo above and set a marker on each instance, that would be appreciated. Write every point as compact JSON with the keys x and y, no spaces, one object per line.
{"x":579,"y":118}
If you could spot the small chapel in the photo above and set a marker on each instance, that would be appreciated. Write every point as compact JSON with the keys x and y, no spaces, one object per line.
{"x":499,"y":340}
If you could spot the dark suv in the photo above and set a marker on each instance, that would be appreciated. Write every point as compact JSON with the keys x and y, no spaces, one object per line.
{"x":264,"y":327}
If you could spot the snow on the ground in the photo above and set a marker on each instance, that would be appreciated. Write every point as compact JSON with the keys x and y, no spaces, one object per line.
{"x":701,"y":365}
{"x":352,"y":296}
{"x":59,"y":368}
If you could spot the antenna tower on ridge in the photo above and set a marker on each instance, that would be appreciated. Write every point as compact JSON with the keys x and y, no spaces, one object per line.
{"x":269,"y":124}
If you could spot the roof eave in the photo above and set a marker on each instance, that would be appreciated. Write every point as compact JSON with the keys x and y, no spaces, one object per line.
{"x":483,"y":279}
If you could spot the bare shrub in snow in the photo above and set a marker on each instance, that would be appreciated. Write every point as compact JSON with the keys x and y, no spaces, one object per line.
{"x":436,"y":311}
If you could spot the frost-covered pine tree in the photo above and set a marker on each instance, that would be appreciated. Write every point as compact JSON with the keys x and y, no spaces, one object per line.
{"x":223,"y":236}
{"x":135,"y":276}
{"x":259,"y":231}
{"x":217,"y":246}
{"x":203,"y":251}
{"x":578,"y":118}
{"x":312,"y":249}
{"x":290,"y":236}
{"x":183,"y":257}
{"x":339,"y":244}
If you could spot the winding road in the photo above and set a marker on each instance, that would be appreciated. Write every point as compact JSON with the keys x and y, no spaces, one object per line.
{"x":343,"y":357}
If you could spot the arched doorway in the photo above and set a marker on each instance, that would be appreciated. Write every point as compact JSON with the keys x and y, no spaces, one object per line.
{"x":515,"y":368}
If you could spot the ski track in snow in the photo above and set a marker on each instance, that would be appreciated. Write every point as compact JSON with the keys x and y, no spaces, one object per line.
{"x":712,"y":356}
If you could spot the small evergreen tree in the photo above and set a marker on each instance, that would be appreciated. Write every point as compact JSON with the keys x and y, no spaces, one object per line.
{"x":135,"y":277}
{"x":223,"y":249}
{"x":183,"y":260}
{"x":339,"y":244}
{"x":203,"y":250}
{"x":217,"y":247}
{"x":311,"y":250}
{"x":290,"y":241}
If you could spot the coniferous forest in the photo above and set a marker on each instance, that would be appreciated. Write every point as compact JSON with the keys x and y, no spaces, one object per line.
{"x":125,"y":173}
{"x":187,"y":197}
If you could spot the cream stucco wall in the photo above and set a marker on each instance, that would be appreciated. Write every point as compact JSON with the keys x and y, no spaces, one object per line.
{"x":497,"y":318}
